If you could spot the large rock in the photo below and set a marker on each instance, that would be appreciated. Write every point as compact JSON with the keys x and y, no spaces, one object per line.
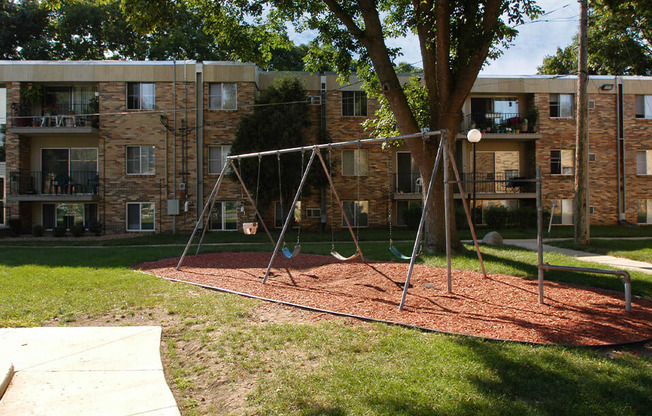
{"x":493,"y":238}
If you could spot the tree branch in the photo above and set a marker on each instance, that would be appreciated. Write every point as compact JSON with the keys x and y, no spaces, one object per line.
{"x":345,"y":18}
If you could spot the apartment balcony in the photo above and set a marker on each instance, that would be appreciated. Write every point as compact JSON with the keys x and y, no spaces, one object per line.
{"x":47,"y":186}
{"x":499,"y":125}
{"x":60,"y":119}
{"x":487,"y":186}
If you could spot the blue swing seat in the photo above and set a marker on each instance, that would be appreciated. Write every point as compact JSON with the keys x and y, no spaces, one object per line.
{"x":286,"y":251}
{"x":398,"y":254}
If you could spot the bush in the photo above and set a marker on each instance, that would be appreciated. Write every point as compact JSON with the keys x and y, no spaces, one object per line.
{"x":524,"y":217}
{"x":496,"y":217}
{"x":460,"y":218}
{"x":412,"y":216}
{"x":96,"y":228}
{"x":38,"y":230}
{"x":77,"y":230}
{"x":15,"y":226}
{"x":59,"y":231}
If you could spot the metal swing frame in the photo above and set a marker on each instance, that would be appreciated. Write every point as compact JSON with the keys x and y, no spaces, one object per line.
{"x":204,"y":217}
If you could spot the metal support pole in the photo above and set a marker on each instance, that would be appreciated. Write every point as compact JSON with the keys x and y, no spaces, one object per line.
{"x":468,"y":214}
{"x":540,"y":235}
{"x":290,"y":214}
{"x":339,"y":202}
{"x":474,"y":179}
{"x":449,"y":279}
{"x":209,"y":202}
{"x":251,"y":201}
{"x":440,"y":150}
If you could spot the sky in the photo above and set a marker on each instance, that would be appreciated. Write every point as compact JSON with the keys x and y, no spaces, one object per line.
{"x":535,"y":40}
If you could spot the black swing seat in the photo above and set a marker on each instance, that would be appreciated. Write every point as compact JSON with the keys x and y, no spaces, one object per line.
{"x":398,"y":254}
{"x":343,"y":258}
{"x":289,"y":254}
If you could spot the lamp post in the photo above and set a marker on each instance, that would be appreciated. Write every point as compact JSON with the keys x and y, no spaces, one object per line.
{"x":473,"y":136}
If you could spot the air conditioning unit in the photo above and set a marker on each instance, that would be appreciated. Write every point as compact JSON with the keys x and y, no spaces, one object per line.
{"x":315,"y":100}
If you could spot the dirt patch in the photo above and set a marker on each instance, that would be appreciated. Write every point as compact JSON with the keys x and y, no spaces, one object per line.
{"x":501,"y":306}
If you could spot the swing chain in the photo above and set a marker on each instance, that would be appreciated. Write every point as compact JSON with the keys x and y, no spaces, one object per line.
{"x":389,"y":190}
{"x":280,"y":189}
{"x":330,"y":169}
{"x":300,"y":201}
{"x":356,"y":216}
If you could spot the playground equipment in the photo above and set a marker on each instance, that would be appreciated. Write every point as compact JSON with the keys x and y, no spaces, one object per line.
{"x":297,"y":247}
{"x":441,"y":154}
{"x":334,"y":253}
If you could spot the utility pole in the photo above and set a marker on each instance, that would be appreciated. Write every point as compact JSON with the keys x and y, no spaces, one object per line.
{"x":581,"y":207}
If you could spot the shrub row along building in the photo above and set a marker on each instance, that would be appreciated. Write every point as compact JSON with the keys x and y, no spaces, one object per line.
{"x":137,"y":146}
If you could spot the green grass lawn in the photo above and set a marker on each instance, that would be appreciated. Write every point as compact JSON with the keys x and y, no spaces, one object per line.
{"x":329,"y":367}
{"x":640,"y":250}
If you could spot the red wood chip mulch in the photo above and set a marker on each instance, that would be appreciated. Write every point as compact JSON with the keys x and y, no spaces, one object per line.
{"x":501,"y":306}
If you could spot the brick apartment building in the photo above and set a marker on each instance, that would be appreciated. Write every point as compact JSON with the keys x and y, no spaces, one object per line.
{"x":138,"y":146}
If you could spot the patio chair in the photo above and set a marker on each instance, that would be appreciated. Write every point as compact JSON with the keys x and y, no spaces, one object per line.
{"x":63,"y":183}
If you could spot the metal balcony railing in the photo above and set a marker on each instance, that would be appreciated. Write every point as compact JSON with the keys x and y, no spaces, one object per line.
{"x":54,"y":183}
{"x":497,"y":183}
{"x":62,"y":115}
{"x":496,"y":123}
{"x":494,"y":183}
{"x":408,"y":183}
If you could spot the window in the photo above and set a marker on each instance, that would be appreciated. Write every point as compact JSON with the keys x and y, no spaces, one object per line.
{"x":562,"y":212}
{"x":561,"y":105}
{"x":140,"y":160}
{"x":313,"y":212}
{"x":644,"y":162}
{"x":644,"y":211}
{"x":140,"y":96}
{"x":217,"y":158}
{"x":354,"y":103}
{"x":644,"y":106}
{"x":66,"y":215}
{"x":280,"y":214}
{"x":223,"y":96}
{"x":562,"y":162}
{"x":224,"y":216}
{"x":140,"y":216}
{"x":357,"y":213}
{"x":355,"y":162}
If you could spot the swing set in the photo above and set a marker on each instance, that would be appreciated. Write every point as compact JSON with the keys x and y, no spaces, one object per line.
{"x":280,"y":245}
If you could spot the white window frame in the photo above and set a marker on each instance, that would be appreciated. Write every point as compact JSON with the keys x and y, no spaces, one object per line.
{"x":141,"y":104}
{"x":644,"y":206}
{"x":355,"y":221}
{"x":644,"y":162}
{"x":358,"y":110}
{"x":140,"y":171}
{"x":360,"y":163}
{"x":219,"y":96}
{"x":140,"y":216}
{"x":313,"y":212}
{"x":563,"y":162}
{"x":224,"y":151}
{"x":565,"y":209}
{"x":565,"y":105}
{"x":224,"y":206}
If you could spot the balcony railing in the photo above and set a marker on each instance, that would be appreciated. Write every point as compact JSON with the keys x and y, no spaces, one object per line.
{"x":64,"y":115}
{"x":493,"y":183}
{"x":51,"y":183}
{"x":504,"y":123}
{"x":408,"y":183}
{"x":497,"y":183}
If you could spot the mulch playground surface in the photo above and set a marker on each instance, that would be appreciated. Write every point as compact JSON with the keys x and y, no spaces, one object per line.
{"x":500,"y":306}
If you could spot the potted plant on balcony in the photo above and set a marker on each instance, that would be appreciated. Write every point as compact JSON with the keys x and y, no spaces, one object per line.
{"x":31,"y":96}
{"x":530,"y":121}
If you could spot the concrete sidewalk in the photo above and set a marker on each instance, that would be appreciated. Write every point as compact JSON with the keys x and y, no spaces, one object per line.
{"x":617,"y":262}
{"x":112,"y":371}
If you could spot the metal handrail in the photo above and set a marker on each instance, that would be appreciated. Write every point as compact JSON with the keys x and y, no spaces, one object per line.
{"x":627,"y":281}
